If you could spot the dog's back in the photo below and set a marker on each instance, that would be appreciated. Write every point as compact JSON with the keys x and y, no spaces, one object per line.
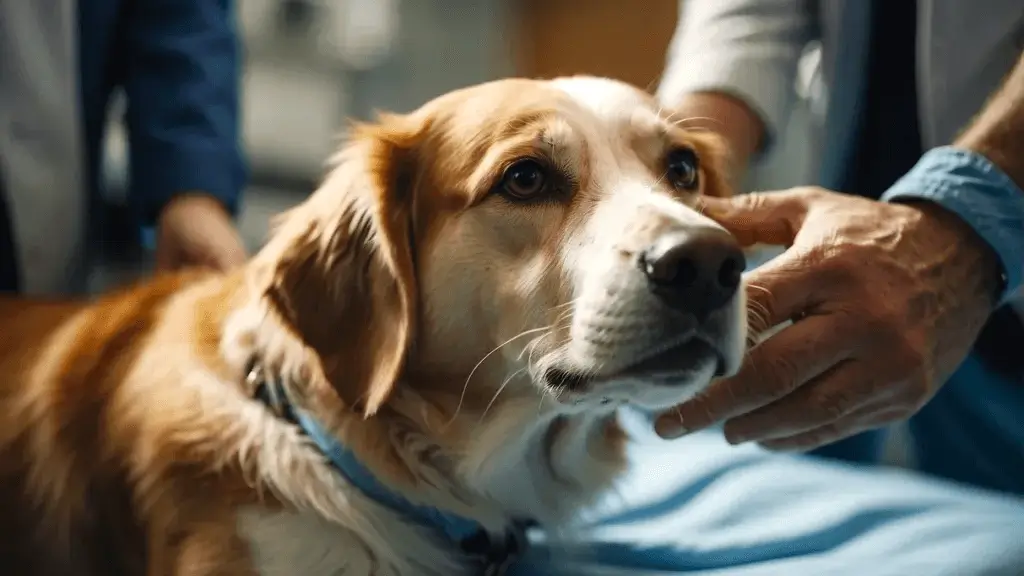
{"x":66,"y":501}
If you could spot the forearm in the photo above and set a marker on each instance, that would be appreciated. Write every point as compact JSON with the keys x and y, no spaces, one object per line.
{"x":998,"y":132}
{"x":731,"y":68}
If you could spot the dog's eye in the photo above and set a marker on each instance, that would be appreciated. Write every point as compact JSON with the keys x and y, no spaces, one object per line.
{"x":524,"y":180}
{"x":682,"y":169}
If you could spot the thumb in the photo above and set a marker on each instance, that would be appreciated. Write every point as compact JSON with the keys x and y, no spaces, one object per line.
{"x":761,"y":217}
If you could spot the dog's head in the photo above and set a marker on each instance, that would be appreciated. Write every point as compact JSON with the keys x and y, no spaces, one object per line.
{"x":518,"y":239}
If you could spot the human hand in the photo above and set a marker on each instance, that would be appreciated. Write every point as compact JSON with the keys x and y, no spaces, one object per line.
{"x":196,"y":230}
{"x":886,"y":301}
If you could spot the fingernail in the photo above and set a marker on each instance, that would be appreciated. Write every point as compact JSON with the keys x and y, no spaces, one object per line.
{"x":732,"y":436}
{"x":776,"y":447}
{"x":670,"y":427}
{"x":735,"y":439}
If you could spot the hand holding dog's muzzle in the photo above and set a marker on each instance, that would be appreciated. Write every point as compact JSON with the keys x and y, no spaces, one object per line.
{"x":885,"y":301}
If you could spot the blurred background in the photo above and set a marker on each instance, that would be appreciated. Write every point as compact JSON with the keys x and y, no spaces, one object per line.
{"x":310,"y":64}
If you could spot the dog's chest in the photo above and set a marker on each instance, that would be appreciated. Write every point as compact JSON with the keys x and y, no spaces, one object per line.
{"x":290,"y":543}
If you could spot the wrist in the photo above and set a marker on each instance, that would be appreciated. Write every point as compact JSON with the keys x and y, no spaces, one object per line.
{"x":988,"y":282}
{"x":969,"y":186}
{"x":192,"y":200}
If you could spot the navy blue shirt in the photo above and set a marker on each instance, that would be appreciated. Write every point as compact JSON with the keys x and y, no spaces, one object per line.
{"x":178,"y":62}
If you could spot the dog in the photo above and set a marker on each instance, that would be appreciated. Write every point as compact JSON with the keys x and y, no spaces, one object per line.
{"x":428,"y":357}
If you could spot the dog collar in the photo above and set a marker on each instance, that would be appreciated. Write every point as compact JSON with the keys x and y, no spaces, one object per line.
{"x":496,"y":555}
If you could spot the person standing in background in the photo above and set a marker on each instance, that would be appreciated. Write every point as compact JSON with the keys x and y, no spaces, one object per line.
{"x":906,"y":301}
{"x":179,"y":64}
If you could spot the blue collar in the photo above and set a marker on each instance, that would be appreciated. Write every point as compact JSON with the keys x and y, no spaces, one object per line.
{"x":467,"y":534}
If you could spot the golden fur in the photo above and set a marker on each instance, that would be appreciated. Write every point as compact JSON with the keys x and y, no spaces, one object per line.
{"x":130,"y":443}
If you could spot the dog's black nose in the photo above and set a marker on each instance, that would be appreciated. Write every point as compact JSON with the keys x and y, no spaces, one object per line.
{"x":696,"y":270}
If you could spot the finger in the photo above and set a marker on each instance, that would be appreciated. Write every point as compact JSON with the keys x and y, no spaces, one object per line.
{"x":761,"y":217}
{"x":772,"y":370}
{"x":868,"y":417}
{"x":782,"y":289}
{"x":830,"y":397}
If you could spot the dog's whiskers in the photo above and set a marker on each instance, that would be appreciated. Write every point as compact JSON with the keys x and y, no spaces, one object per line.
{"x":465,"y":386}
{"x":758,"y":317}
{"x":568,"y":304}
{"x":681,"y":121}
{"x":498,"y":393}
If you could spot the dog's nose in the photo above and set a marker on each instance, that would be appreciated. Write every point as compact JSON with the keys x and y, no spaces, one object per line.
{"x":695,"y":271}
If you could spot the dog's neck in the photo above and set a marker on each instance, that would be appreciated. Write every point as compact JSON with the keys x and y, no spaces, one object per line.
{"x":514,"y":461}
{"x":542,"y":464}
{"x":518,"y":462}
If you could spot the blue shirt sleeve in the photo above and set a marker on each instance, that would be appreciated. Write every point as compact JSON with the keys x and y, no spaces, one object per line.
{"x":970,"y":186}
{"x":182,"y":85}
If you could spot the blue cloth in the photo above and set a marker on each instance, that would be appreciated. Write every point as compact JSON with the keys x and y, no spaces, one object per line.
{"x":179,"y":63}
{"x":700,"y":507}
{"x":977,"y":191}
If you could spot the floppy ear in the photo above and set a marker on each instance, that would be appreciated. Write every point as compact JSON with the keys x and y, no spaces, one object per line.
{"x":344,"y":278}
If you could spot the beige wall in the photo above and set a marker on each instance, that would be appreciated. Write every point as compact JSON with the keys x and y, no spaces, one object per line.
{"x":614,"y":38}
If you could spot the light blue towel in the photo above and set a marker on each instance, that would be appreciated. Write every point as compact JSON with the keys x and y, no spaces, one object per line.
{"x":698,"y":506}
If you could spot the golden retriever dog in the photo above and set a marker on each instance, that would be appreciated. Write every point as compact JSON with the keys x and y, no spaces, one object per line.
{"x":428,"y":357}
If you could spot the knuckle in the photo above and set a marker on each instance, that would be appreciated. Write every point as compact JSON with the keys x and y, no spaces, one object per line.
{"x":809,"y":193}
{"x":700,"y":411}
{"x":833,"y":405}
{"x":754,"y":200}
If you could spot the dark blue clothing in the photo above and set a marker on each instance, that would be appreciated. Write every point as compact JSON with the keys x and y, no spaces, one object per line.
{"x":8,"y":261}
{"x":178,"y":62}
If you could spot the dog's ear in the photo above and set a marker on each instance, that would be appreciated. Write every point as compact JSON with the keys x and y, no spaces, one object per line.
{"x":343,"y":275}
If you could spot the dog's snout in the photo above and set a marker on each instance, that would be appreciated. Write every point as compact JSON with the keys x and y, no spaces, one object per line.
{"x":695,"y":271}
